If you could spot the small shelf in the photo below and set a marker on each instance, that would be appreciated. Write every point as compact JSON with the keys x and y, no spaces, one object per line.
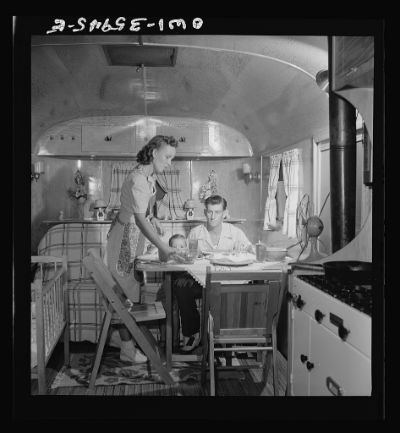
{"x":76,"y":221}
{"x":194,"y":221}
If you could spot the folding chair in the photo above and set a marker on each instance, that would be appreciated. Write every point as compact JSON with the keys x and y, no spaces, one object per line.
{"x":117,"y":313}
{"x":241,"y":317}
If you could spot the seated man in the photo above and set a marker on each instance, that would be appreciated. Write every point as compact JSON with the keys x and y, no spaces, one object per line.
{"x":215,"y":235}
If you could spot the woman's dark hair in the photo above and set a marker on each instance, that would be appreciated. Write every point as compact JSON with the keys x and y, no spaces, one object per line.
{"x":176,"y":236}
{"x":215,"y":199}
{"x":145,"y":154}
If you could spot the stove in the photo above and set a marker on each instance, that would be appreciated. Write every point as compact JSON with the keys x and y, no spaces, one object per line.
{"x":330,"y":336}
{"x":355,"y":295}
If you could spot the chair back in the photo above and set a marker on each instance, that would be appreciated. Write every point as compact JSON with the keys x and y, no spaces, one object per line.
{"x":110,"y":291}
{"x":113,"y":296}
{"x":243,"y":303}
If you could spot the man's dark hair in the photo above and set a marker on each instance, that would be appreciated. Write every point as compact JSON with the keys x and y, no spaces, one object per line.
{"x":176,"y":236}
{"x":215,"y":199}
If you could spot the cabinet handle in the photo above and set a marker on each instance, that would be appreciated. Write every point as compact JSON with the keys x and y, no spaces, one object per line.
{"x":343,"y":332}
{"x":309,"y":365}
{"x":338,"y":321}
{"x":319,"y":315}
{"x":333,"y":387}
{"x":303,"y":358}
{"x":300,"y":303}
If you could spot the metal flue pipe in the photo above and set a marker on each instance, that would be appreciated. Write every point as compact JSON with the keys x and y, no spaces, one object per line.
{"x":342,"y":131}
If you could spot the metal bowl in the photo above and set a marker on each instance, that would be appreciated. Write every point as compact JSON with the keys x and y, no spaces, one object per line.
{"x":275,"y":254}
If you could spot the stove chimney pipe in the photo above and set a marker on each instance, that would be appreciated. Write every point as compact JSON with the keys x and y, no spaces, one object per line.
{"x":342,"y":132}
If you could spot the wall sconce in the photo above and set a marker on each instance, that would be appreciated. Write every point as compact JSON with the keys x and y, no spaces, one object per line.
{"x":38,"y":169}
{"x":322,"y":80}
{"x":248,"y":175}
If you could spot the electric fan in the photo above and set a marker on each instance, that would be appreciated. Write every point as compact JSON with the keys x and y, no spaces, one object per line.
{"x":308,"y":229}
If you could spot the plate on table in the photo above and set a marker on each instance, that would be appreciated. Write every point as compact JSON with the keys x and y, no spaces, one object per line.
{"x":227,"y":262}
{"x":212,"y":252}
{"x":148,"y":258}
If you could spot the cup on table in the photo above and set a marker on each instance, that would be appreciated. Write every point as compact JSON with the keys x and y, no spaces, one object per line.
{"x":238,"y":248}
{"x":261,"y":252}
{"x":193,"y":248}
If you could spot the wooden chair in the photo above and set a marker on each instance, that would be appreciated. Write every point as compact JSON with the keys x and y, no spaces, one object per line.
{"x":241,"y":317}
{"x":116,"y":312}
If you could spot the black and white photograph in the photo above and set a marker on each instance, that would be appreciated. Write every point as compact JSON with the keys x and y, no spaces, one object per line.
{"x":206,"y":216}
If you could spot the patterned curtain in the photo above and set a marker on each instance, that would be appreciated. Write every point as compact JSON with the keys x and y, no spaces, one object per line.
{"x":171,"y":204}
{"x":119,"y":172}
{"x":270,"y":204}
{"x":292,"y":165}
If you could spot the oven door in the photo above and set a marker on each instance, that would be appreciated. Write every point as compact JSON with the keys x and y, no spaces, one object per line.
{"x":339,"y":369}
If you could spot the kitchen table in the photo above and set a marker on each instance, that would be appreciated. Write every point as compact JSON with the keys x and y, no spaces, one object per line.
{"x":267,"y":270}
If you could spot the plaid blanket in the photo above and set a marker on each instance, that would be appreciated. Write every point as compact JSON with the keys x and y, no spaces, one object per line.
{"x":74,"y":240}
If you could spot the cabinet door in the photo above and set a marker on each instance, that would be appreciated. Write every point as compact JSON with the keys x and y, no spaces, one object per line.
{"x":61,"y":141}
{"x":300,"y":348}
{"x":352,"y":62}
{"x":339,"y":369}
{"x":108,"y":139}
{"x":190,"y":138}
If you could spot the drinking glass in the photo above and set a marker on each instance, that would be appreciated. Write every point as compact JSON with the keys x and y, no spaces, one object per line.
{"x":193,"y":248}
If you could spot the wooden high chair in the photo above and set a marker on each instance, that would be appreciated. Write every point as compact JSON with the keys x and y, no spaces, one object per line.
{"x":241,"y":317}
{"x":134,"y":318}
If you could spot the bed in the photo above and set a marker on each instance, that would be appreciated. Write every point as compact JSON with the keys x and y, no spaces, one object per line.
{"x":49,"y":313}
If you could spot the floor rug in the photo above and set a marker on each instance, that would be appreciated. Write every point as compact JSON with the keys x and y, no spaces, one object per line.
{"x":113,"y":371}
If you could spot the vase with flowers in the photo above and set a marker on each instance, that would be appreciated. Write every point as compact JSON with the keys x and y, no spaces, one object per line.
{"x":79,"y":192}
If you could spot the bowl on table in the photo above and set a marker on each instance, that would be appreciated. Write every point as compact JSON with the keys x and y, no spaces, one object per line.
{"x":275,"y":254}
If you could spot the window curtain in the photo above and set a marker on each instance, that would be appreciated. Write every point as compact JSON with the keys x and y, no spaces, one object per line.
{"x":118,"y":174}
{"x":270,"y":204}
{"x":169,"y":204}
{"x":292,"y":177}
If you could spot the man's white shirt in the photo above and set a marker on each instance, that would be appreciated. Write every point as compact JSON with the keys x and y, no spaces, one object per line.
{"x":230,"y":236}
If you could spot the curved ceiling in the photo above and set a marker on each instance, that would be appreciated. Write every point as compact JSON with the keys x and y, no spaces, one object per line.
{"x":263,"y":86}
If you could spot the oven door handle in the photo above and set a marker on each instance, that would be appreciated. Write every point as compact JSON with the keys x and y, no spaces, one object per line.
{"x":333,"y":387}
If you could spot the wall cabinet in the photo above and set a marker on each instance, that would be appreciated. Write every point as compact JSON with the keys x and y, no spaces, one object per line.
{"x":113,"y":136}
{"x":108,"y":139}
{"x":191,"y":138}
{"x":352,"y":76}
{"x":352,"y":62}
{"x":62,"y":141}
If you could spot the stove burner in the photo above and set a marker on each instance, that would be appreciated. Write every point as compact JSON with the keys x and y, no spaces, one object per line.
{"x":355,"y":295}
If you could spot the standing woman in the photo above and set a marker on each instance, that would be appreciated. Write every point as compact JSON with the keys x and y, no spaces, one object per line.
{"x":133,"y":223}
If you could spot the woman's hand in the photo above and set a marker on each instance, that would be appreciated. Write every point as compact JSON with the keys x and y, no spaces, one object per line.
{"x":166,"y":252}
{"x":155,"y":222}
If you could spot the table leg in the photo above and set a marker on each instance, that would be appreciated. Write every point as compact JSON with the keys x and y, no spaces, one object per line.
{"x":168,"y":312}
